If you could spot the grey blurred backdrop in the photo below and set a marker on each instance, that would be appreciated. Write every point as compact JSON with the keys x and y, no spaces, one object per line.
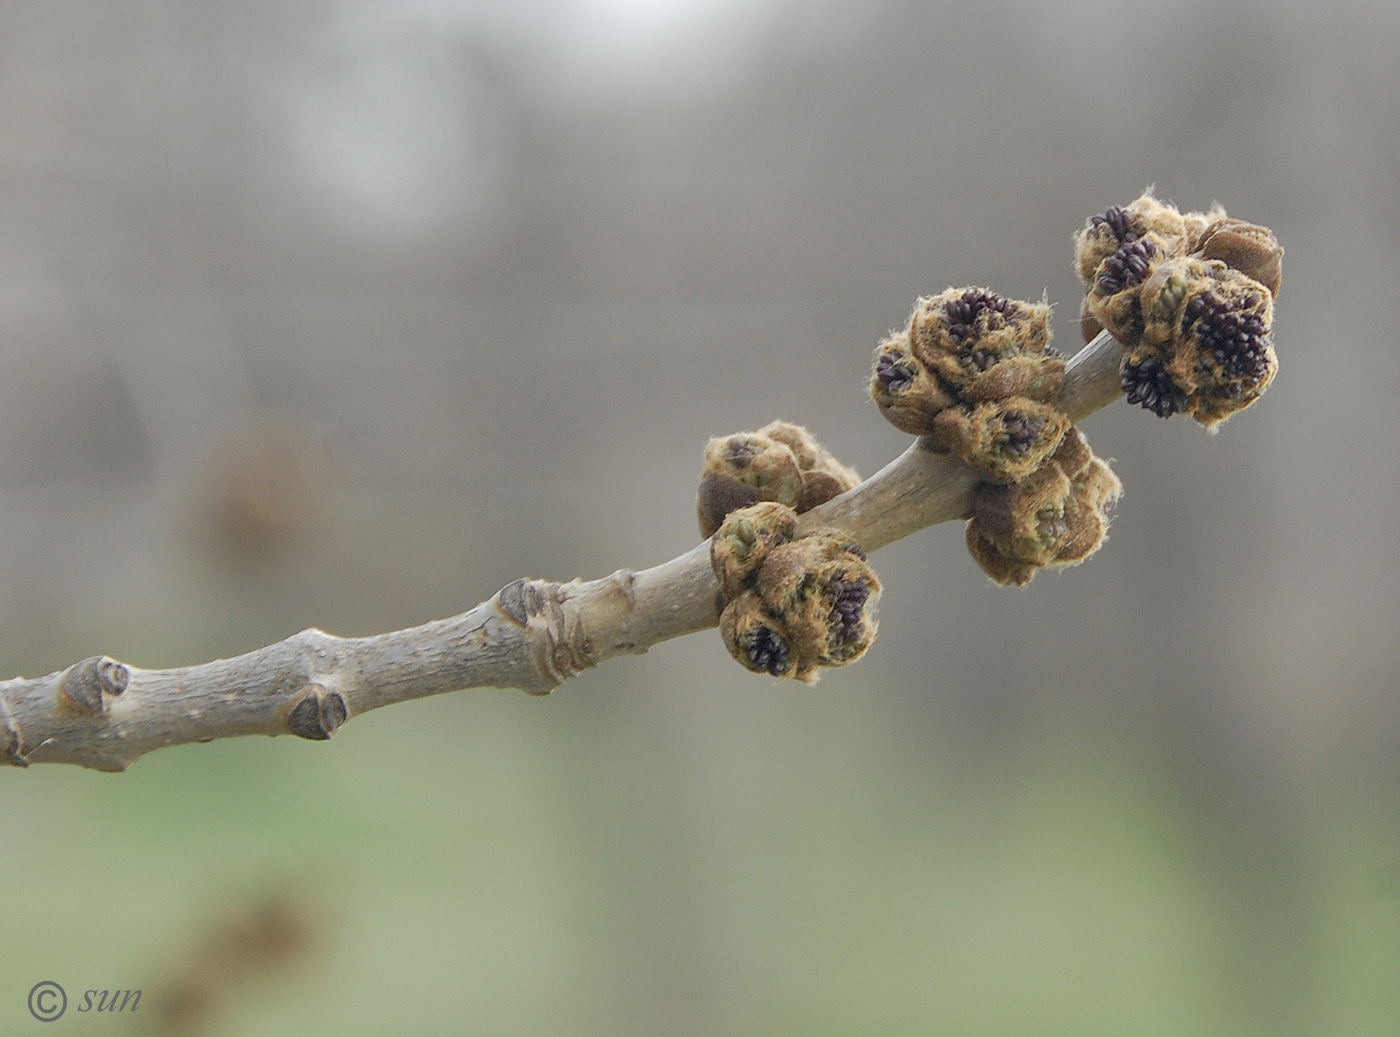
{"x":346,"y":314}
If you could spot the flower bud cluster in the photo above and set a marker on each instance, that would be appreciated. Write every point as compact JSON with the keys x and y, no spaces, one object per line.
{"x":975,"y":373}
{"x":780,"y":462}
{"x":1056,"y":516}
{"x":1191,"y":297}
{"x":792,"y":604}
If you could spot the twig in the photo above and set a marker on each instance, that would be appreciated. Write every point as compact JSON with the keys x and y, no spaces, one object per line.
{"x":532,"y":634}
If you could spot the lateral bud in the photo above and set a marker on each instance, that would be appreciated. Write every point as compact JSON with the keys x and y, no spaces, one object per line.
{"x":1056,"y":516}
{"x":1006,"y":440}
{"x":974,"y":371}
{"x":85,"y":683}
{"x":792,"y":605}
{"x":745,"y":539}
{"x":781,"y":462}
{"x":318,"y":714}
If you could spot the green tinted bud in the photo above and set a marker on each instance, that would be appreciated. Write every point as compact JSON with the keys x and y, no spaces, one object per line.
{"x":810,"y":604}
{"x":745,"y":539}
{"x":1207,"y":349}
{"x":1056,"y":516}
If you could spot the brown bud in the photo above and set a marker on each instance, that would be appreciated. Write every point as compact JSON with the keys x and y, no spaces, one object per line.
{"x":1073,"y":454}
{"x":811,"y":604}
{"x":822,"y":484}
{"x":745,"y":539}
{"x":838,"y":614}
{"x":1025,"y":520}
{"x":1247,"y":247}
{"x":318,"y":714}
{"x":1115,"y":299}
{"x":823,"y":476}
{"x":824,"y":591}
{"x":1117,"y":252}
{"x":1002,"y":568}
{"x":1092,"y":495}
{"x":742,"y":469}
{"x":787,"y":568}
{"x":1007,"y":439}
{"x":84,"y":684}
{"x":1035,"y":377}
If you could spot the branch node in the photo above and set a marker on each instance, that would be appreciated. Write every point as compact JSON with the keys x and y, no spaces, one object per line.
{"x":625,"y":580}
{"x":561,"y":642}
{"x":317,"y":714}
{"x":9,"y":737}
{"x":85,"y":683}
{"x":519,"y":600}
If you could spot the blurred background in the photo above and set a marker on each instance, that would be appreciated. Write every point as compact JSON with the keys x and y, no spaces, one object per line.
{"x":346,"y":314}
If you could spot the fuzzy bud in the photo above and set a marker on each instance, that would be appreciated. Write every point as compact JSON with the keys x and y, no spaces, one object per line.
{"x":757,"y":639}
{"x":1191,"y":297}
{"x":743,"y":469}
{"x":823,"y":476}
{"x":962,"y":348}
{"x":780,"y":462}
{"x":824,"y":591}
{"x":1007,"y":439}
{"x":1119,"y":250}
{"x":809,"y":603}
{"x":1038,"y":378}
{"x":962,"y":332}
{"x":1056,"y":516}
{"x":1114,"y":299}
{"x":906,"y":391}
{"x":1145,"y":218}
{"x":745,"y":539}
{"x":1247,"y":247}
{"x":1207,"y":348}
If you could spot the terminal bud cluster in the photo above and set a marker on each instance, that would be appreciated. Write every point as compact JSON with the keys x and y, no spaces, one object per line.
{"x":1191,"y":297}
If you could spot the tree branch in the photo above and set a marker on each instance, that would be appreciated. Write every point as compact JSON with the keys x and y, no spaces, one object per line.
{"x":532,"y":634}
